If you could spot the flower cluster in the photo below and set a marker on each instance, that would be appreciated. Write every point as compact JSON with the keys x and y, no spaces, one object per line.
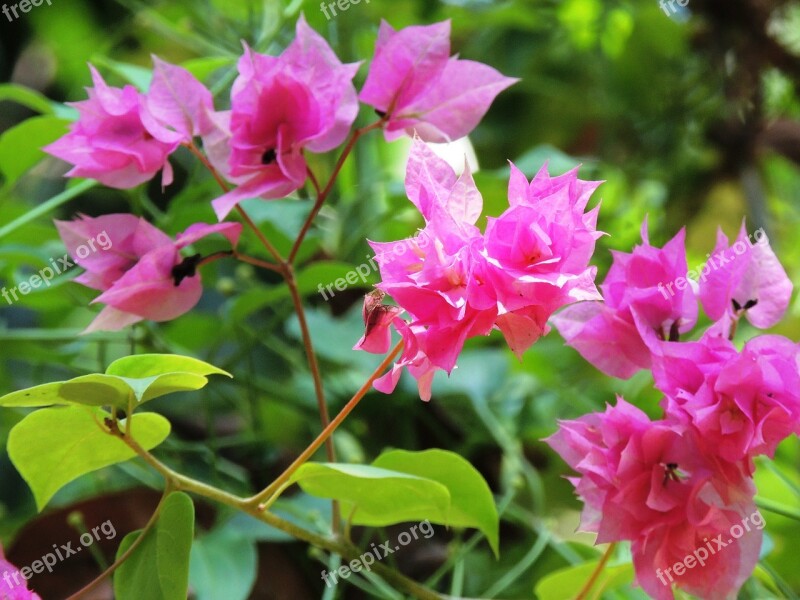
{"x":281,"y":107}
{"x":143,"y":274}
{"x":462,"y":283}
{"x":669,"y":486}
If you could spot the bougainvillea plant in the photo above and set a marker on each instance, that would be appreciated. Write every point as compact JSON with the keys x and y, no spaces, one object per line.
{"x":666,"y":486}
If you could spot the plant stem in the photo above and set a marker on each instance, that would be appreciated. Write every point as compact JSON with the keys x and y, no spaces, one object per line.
{"x":596,"y":574}
{"x":136,"y":543}
{"x":257,"y":500}
{"x":323,"y":195}
{"x":285,"y":268}
{"x":313,"y":365}
{"x":258,"y":262}
{"x":176,"y":481}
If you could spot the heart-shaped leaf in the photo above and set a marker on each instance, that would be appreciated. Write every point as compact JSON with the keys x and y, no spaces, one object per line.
{"x":471,"y":500}
{"x":54,"y":446}
{"x":378,"y":496}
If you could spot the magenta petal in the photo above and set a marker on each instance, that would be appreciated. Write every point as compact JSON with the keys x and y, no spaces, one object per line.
{"x":405,"y":63}
{"x":612,"y":345}
{"x":456,"y":104}
{"x":111,"y":319}
{"x":177,"y":104}
{"x":231,"y":231}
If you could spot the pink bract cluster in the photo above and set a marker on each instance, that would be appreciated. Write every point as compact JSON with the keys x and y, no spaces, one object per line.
{"x":461,"y":282}
{"x":141,"y":272}
{"x":12,"y":585}
{"x":282,"y":107}
{"x":670,"y":486}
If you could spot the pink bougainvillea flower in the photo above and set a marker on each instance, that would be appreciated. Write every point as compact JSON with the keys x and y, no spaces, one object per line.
{"x":455,"y":283}
{"x":110,"y":142}
{"x":179,"y":107}
{"x":538,"y":253}
{"x":618,"y":335}
{"x":419,"y":88}
{"x":745,"y":278}
{"x":303,"y":99}
{"x":649,"y":483}
{"x":13,"y":586}
{"x":141,"y":271}
{"x":741,"y":403}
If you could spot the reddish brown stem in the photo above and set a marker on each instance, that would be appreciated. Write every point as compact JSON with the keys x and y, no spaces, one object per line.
{"x":323,"y":195}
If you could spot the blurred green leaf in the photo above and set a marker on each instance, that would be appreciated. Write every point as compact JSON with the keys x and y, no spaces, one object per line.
{"x":223,"y":565}
{"x":564,"y":584}
{"x":20,"y":146}
{"x":26,"y":97}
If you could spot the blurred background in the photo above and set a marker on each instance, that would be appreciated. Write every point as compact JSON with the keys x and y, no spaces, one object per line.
{"x":690,"y":115}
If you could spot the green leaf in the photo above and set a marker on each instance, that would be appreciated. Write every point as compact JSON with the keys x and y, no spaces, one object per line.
{"x":54,"y":446}
{"x":566,"y":583}
{"x":146,"y":376}
{"x":20,"y":146}
{"x":40,"y":395}
{"x":154,"y":375}
{"x":96,"y":390}
{"x":140,"y":366}
{"x":471,"y":500}
{"x":379,"y":496}
{"x":26,"y":97}
{"x":159,"y":568}
{"x":223,"y":565}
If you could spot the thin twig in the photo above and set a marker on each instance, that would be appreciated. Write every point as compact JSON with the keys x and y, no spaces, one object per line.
{"x":323,"y":195}
{"x":126,"y":555}
{"x":270,"y":490}
{"x":596,"y":573}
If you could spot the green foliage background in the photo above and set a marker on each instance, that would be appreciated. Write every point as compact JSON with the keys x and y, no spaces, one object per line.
{"x":690,"y":119}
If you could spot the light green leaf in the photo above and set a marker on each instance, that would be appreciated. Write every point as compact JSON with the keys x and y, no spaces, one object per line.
{"x":40,"y":395}
{"x":147,"y":365}
{"x":20,"y":146}
{"x":155,"y":375}
{"x":96,"y":390}
{"x":159,"y":568}
{"x":54,"y":446}
{"x":566,"y":583}
{"x":223,"y":565}
{"x":471,"y":500}
{"x":379,"y":496}
{"x":146,"y":376}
